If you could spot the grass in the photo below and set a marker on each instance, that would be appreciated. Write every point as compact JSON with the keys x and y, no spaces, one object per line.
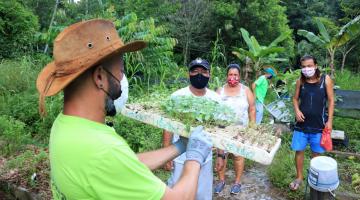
{"x":347,"y":80}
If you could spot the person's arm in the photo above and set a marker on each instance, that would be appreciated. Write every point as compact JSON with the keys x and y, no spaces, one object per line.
{"x":219,"y":163}
{"x":198,"y":149}
{"x":253,"y":87}
{"x":167,"y":138}
{"x":331,"y":101}
{"x":186,"y":187}
{"x":157,"y":158}
{"x":252,"y":109}
{"x":298,"y":114}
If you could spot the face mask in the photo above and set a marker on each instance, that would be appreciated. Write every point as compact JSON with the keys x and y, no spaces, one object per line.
{"x":232,"y":82}
{"x":308,"y":71}
{"x":121,"y":101}
{"x":199,"y":81}
{"x":113,"y":94}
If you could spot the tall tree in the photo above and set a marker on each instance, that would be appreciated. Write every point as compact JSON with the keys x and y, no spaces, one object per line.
{"x":347,"y":33}
{"x":190,"y":26}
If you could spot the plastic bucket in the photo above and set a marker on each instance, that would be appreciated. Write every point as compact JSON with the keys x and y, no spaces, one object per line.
{"x":323,"y":174}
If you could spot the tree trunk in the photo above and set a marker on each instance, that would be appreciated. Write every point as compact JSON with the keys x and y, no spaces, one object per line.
{"x":257,"y":69}
{"x":247,"y":70}
{"x":186,"y":52}
{"x":345,"y":53}
{"x":51,"y":22}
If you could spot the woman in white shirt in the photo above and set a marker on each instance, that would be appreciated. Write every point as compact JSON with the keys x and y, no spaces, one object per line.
{"x":240,"y":98}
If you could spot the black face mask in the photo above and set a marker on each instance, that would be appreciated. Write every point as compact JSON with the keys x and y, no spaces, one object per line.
{"x":199,"y":81}
{"x":113,"y":94}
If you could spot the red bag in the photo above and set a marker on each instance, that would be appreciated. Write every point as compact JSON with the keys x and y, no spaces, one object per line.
{"x":326,"y":141}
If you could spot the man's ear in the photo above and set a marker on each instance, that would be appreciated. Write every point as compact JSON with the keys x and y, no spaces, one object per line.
{"x":98,"y":77}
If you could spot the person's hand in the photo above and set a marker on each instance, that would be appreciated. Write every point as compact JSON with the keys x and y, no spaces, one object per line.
{"x":199,"y":145}
{"x":169,"y":165}
{"x":219,"y":164}
{"x":181,"y":144}
{"x":299,"y":116}
{"x":328,"y":125}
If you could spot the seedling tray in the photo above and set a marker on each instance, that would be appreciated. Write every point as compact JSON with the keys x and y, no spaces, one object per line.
{"x":228,"y":138}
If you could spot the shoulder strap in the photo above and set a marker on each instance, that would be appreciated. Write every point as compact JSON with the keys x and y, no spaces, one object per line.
{"x":322,"y":80}
{"x":222,"y":91}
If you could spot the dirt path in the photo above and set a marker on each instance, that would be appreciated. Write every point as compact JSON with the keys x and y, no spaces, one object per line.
{"x":255,"y":186}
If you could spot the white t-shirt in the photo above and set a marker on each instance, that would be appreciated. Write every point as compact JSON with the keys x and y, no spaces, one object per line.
{"x":186,"y":92}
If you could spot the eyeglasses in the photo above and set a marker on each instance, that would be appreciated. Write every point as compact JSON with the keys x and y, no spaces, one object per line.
{"x":195,"y":72}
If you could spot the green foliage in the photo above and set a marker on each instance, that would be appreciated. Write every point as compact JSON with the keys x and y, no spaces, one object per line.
{"x":13,"y":135}
{"x":140,"y":137}
{"x":19,"y":98}
{"x":259,"y":54}
{"x":17,"y":29}
{"x":282,"y":171}
{"x":347,"y":80}
{"x":192,"y":110}
{"x":154,"y":64}
{"x":218,"y":62}
{"x":348,"y":32}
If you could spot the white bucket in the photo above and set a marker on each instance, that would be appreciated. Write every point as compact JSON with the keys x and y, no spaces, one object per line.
{"x":323,"y":174}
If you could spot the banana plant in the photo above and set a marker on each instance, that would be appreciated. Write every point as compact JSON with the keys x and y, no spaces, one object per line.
{"x":258,"y":54}
{"x":348,"y":32}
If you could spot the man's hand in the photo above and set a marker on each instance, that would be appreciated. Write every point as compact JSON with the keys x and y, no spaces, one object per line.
{"x":219,"y":164}
{"x":299,"y":116}
{"x":328,"y":125}
{"x":199,"y":145}
{"x":169,"y":165}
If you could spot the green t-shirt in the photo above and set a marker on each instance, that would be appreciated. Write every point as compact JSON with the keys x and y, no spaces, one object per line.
{"x":90,"y":161}
{"x":261,"y":88}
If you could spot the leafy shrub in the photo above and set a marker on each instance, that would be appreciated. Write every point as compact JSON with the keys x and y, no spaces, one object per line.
{"x":13,"y":135}
{"x":17,"y":28}
{"x":140,"y":137}
{"x":19,"y":97}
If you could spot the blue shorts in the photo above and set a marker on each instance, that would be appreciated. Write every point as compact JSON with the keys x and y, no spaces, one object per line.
{"x":300,"y":141}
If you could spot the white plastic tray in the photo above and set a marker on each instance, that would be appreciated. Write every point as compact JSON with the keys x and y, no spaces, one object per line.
{"x":221,"y":141}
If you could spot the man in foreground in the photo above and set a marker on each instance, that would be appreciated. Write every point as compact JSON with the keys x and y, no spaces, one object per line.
{"x":199,"y":75}
{"x":88,"y":159}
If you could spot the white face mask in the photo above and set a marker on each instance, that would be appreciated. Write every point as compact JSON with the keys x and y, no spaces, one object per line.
{"x":308,"y":71}
{"x":121,"y":101}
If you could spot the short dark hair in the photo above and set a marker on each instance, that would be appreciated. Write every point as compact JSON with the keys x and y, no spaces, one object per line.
{"x":233,"y":66}
{"x":308,"y":57}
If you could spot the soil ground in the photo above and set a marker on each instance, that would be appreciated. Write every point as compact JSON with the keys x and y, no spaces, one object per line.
{"x":255,"y":186}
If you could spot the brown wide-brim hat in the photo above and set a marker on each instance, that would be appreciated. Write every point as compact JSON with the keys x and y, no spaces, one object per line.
{"x":78,"y":48}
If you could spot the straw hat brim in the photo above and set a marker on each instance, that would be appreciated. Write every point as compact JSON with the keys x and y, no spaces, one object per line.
{"x":50,"y":82}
